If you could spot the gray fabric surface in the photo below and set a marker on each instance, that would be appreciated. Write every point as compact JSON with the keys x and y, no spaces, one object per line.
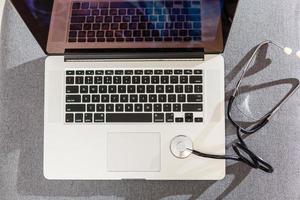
{"x":21,"y":118}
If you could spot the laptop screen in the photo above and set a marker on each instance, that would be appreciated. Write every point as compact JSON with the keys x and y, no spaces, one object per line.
{"x":130,"y":23}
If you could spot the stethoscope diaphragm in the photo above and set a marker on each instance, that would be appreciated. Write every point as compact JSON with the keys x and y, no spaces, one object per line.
{"x":181,"y":146}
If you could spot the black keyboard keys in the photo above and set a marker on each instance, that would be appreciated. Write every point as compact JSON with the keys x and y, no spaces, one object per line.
{"x":166,"y":96}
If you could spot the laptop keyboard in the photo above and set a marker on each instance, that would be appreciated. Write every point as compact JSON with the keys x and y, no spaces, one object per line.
{"x":135,"y":21}
{"x":158,"y":96}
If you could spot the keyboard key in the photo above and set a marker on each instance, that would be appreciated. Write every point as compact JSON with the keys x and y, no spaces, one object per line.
{"x":79,"y":72}
{"x":86,"y":98}
{"x":198,"y":119}
{"x":96,"y":98}
{"x":130,"y":88}
{"x":155,"y":79}
{"x":162,"y":98}
{"x":195,"y":79}
{"x":174,"y":79}
{"x":121,"y":89}
{"x":181,"y":98}
{"x":136,"y":79}
{"x":138,"y":107}
{"x":142,"y":98}
{"x":150,"y":88}
{"x":169,"y":117}
{"x":84,"y":89}
{"x":109,"y":107}
{"x":158,"y":71}
{"x":102,"y":89}
{"x":146,"y":79}
{"x":152,"y":98}
{"x":69,"y":80}
{"x":188,"y":117}
{"x":169,"y":88}
{"x":168,"y":71}
{"x":192,"y":108}
{"x":98,"y":80}
{"x":99,"y":72}
{"x":126,"y":79}
{"x":188,"y":88}
{"x":104,"y":98}
{"x":178,"y":71}
{"x":88,"y":117}
{"x":81,"y":12}
{"x":69,"y":117}
{"x":140,"y":89}
{"x":76,"y":5}
{"x":129,"y":117}
{"x":158,"y":117}
{"x":148,"y":107}
{"x":198,"y":89}
{"x":176,"y":107}
{"x":164,"y":79}
{"x":172,"y":98}
{"x":72,"y":89}
{"x":167,"y":107}
{"x":193,"y":18}
{"x":76,"y":27}
{"x":73,"y":34}
{"x":73,"y":98}
{"x":194,"y":98}
{"x":133,"y":98}
{"x":93,"y":89}
{"x":112,"y":89}
{"x":107,"y":80}
{"x":124,"y":98}
{"x":160,"y":89}
{"x":88,"y":80}
{"x":157,"y":107}
{"x":119,"y":107}
{"x":179,"y":88}
{"x":119,"y":72}
{"x":197,"y":71}
{"x":100,"y":107}
{"x":114,"y":98}
{"x":184,"y":79}
{"x":179,"y":119}
{"x":98,"y":117}
{"x":78,"y":117}
{"x":128,"y":107}
{"x":90,"y":107}
{"x":75,"y":107}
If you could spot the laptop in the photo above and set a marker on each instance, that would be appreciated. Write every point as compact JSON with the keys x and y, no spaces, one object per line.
{"x":125,"y":81}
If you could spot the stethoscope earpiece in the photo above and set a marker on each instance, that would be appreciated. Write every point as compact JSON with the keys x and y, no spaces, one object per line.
{"x":287,"y":50}
{"x":298,"y":54}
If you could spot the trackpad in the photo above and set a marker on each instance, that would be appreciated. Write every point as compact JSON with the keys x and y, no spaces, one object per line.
{"x":133,"y":152}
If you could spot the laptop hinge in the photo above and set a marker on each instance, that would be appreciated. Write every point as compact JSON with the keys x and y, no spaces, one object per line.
{"x":81,"y":55}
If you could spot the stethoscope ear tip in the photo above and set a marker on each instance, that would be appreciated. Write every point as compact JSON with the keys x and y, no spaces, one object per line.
{"x":298,"y":54}
{"x":287,"y":50}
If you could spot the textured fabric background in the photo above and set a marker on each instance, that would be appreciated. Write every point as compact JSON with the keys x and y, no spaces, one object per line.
{"x":21,"y":118}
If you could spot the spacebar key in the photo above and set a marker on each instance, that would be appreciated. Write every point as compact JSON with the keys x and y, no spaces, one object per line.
{"x":128,"y":117}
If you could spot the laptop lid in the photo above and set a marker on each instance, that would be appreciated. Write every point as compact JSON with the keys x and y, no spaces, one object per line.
{"x":37,"y":16}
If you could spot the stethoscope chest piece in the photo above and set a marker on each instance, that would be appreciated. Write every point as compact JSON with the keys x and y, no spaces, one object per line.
{"x":181,"y":146}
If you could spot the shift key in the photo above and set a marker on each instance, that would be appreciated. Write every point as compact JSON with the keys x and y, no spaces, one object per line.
{"x":75,"y":107}
{"x":192,"y":107}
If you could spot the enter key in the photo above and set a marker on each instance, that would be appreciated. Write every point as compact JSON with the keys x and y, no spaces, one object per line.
{"x":194,"y":98}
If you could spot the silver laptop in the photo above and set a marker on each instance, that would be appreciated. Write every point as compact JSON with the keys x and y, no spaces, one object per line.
{"x":129,"y":80}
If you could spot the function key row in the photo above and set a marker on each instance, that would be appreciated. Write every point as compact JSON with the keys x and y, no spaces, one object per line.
{"x":133,"y":72}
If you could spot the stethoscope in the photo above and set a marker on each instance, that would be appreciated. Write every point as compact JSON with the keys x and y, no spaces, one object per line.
{"x":181,"y":146}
